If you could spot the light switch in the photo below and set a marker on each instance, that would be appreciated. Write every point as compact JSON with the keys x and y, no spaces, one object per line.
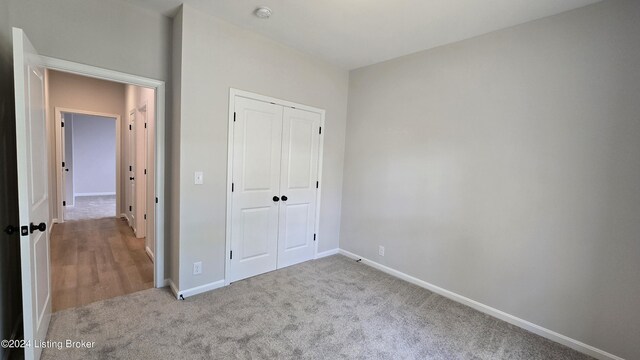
{"x":198,"y":178}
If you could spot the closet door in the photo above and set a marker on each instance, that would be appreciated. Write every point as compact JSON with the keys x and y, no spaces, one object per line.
{"x":300,"y":145}
{"x":257,"y":147}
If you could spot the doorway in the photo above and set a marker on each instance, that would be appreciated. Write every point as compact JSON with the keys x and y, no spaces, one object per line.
{"x":89,"y":145}
{"x":99,"y":245}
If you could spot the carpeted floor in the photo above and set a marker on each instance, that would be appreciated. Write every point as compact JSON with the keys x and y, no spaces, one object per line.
{"x":324,"y":309}
{"x":91,"y":207}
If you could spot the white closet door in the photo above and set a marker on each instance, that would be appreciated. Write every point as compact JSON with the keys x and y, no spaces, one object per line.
{"x":256,"y":180}
{"x":300,"y":145}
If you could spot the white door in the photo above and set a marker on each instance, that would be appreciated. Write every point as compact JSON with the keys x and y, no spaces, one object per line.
{"x":132,"y":171}
{"x":32,"y":191}
{"x":256,"y":180}
{"x":298,"y":186}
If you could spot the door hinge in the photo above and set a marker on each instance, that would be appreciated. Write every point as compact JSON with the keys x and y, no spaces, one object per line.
{"x":145,"y":216}
{"x":231,"y":254}
{"x":320,"y":131}
{"x":130,"y":168}
{"x":156,"y":200}
{"x":129,"y":126}
{"x":314,"y":237}
{"x":64,"y":203}
{"x":145,"y":171}
{"x":63,"y":164}
{"x":62,"y":124}
{"x":232,"y":187}
{"x":145,"y":125}
{"x":317,"y":184}
{"x":130,"y":209}
{"x":234,"y":116}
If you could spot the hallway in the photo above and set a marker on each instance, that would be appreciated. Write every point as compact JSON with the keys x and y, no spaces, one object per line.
{"x":98,"y":259}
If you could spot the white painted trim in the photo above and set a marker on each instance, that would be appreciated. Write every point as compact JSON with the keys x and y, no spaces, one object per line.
{"x":250,"y":95}
{"x":94,"y":194}
{"x":159,"y":87}
{"x":511,"y":319}
{"x":149,"y":253}
{"x":173,"y":287}
{"x":201,"y":289}
{"x":327,"y":253}
{"x":60,"y":186}
{"x":233,"y":93}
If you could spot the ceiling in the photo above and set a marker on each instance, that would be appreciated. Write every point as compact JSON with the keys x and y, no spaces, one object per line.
{"x":355,"y":33}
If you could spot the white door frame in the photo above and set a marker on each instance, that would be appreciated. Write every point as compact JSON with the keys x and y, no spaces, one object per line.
{"x":159,"y":87}
{"x":232,"y":105}
{"x":59,"y":156}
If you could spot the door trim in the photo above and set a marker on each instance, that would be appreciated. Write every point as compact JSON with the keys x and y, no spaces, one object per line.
{"x":233,"y":93}
{"x":59,"y":174}
{"x":159,"y":178}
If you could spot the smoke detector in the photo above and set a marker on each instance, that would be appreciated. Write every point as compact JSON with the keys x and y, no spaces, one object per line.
{"x":263,"y":12}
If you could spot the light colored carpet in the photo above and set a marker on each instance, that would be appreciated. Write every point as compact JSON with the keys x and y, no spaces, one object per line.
{"x":324,"y":309}
{"x":91,"y":207}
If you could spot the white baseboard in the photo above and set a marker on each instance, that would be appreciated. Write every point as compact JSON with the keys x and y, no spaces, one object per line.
{"x":93,"y":194}
{"x":149,"y":253}
{"x":173,"y":287}
{"x":536,"y":329}
{"x":327,"y":253}
{"x":200,"y":289}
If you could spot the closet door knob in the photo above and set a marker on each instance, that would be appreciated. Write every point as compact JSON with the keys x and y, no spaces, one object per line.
{"x":276,"y":199}
{"x":284,"y":198}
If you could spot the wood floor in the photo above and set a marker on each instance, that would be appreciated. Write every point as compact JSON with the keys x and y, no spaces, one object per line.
{"x":98,"y":259}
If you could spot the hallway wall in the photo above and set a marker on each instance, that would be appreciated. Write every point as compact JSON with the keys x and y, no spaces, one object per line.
{"x":79,"y":93}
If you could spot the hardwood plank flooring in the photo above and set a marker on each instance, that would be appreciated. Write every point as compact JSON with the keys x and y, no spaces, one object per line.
{"x":97,"y":259}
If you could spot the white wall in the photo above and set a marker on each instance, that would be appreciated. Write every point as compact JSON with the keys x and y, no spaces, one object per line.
{"x":505,"y":168}
{"x":216,"y":56}
{"x":94,"y":155}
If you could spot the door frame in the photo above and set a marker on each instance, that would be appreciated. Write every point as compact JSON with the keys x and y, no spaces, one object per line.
{"x":158,"y":212}
{"x":59,"y":156}
{"x":233,"y":93}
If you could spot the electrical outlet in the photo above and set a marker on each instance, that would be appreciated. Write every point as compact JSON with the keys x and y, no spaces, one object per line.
{"x":381,"y":250}
{"x":198,"y":178}
{"x":197,"y":268}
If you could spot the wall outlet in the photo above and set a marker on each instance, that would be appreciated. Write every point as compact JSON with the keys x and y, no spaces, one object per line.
{"x":198,"y":178}
{"x":381,"y":250}
{"x":197,"y":268}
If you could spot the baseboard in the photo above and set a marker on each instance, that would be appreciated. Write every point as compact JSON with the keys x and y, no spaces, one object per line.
{"x":531,"y":327}
{"x":327,"y":253}
{"x":149,"y":253}
{"x":173,"y":287}
{"x":200,"y":289}
{"x":94,"y":194}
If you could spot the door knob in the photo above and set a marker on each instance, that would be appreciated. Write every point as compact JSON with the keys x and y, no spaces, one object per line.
{"x":276,"y":199}
{"x":33,"y":227}
{"x":131,"y":178}
{"x":66,"y":170}
{"x":284,"y":198}
{"x":10,"y":229}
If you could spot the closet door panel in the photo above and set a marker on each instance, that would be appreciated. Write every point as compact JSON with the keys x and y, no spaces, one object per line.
{"x":300,"y":146}
{"x":257,"y":150}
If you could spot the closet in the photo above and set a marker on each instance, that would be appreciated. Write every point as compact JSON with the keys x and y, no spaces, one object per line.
{"x":275,"y":156}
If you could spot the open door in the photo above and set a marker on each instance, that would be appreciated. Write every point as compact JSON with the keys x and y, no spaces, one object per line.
{"x":132,"y":171}
{"x":33,"y":197}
